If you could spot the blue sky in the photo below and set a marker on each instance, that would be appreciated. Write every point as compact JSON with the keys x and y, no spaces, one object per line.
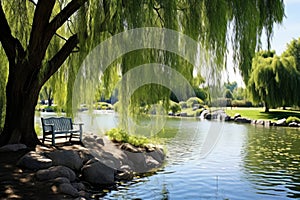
{"x":289,"y":29}
{"x":283,"y":34}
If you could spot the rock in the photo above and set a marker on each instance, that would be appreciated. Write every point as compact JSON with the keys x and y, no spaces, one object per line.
{"x":260,"y":122}
{"x":208,"y":116}
{"x":293,"y":124}
{"x":203,"y":114}
{"x":183,"y":114}
{"x":151,"y":163}
{"x":61,"y":180}
{"x":242,"y":120}
{"x":67,"y":188}
{"x":236,"y":116}
{"x":13,"y":147}
{"x":268,"y":123}
{"x":129,"y":147}
{"x":157,"y":155}
{"x":54,"y":172}
{"x":125,"y":173}
{"x":85,"y":155}
{"x":34,"y":161}
{"x":78,"y":186}
{"x":281,"y":122}
{"x":97,"y":173}
{"x":138,"y":161}
{"x":227,"y":118}
{"x":68,"y":158}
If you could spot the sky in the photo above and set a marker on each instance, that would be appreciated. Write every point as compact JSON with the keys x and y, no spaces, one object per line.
{"x":283,"y":34}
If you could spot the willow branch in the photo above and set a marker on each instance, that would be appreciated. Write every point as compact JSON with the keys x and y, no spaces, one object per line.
{"x":11,"y":45}
{"x":60,"y":57}
{"x":65,"y":14}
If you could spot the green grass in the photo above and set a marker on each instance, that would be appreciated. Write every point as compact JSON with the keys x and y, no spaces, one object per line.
{"x":258,"y":113}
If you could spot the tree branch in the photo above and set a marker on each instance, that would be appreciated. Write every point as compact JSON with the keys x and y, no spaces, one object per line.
{"x":11,"y":45}
{"x":40,"y":22}
{"x":60,"y":57}
{"x":65,"y":14}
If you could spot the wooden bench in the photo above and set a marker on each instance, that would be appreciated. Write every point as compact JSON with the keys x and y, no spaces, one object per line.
{"x":60,"y":127}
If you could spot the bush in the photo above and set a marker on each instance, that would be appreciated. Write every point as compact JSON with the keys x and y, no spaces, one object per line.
{"x":183,"y":104}
{"x":191,"y":102}
{"x":241,"y":103}
{"x":292,"y":119}
{"x":119,"y":135}
{"x":103,"y":106}
{"x":175,"y":107}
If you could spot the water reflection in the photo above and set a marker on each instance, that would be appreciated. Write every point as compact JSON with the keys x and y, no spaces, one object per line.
{"x":272,"y":161}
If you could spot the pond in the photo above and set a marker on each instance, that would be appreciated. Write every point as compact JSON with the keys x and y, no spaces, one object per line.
{"x":247,"y":162}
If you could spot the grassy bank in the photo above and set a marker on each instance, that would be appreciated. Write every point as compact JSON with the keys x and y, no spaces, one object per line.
{"x":258,"y":113}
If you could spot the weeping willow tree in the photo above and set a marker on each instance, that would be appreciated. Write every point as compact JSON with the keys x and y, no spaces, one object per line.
{"x":274,"y":80}
{"x":50,"y":38}
{"x":293,"y":49}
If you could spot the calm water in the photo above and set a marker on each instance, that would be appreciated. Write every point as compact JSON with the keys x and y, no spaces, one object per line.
{"x":247,"y":162}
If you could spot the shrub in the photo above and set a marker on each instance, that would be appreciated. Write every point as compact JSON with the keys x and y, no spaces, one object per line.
{"x":292,"y":119}
{"x":191,"y":102}
{"x":119,"y":135}
{"x":175,"y":107}
{"x":241,"y":103}
{"x":183,"y":104}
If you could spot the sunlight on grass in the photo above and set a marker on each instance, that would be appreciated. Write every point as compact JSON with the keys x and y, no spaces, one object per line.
{"x":258,"y":113}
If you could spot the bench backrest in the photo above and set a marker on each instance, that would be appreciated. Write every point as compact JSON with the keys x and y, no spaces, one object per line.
{"x":60,"y":123}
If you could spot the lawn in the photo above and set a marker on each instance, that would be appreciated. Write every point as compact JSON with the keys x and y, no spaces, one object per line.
{"x":258,"y":113}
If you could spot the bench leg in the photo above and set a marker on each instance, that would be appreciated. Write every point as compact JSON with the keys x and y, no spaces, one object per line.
{"x":53,"y":139}
{"x":43,"y":140}
{"x":71,"y":137}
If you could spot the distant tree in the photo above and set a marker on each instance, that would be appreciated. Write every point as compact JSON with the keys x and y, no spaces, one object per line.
{"x":293,"y":49}
{"x":47,"y":94}
{"x":274,"y":81}
{"x":239,"y":93}
{"x":228,"y":94}
{"x":231,"y":86}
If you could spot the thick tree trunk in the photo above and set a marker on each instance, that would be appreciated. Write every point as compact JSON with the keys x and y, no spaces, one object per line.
{"x":21,"y":95}
{"x":266,"y":107}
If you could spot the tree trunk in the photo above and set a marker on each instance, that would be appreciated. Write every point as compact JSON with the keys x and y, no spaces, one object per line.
{"x":266,"y":107}
{"x":22,"y":92}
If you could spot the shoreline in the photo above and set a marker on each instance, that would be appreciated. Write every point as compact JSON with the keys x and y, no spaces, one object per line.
{"x":71,"y":171}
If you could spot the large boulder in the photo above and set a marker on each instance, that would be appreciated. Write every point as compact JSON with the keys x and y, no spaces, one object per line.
{"x":236,"y":116}
{"x":281,"y":122}
{"x":158,"y":155}
{"x":54,"y":172}
{"x":242,"y":120}
{"x":97,"y":173}
{"x":34,"y":161}
{"x":293,"y":124}
{"x":138,"y":160}
{"x":12,"y":147}
{"x":68,"y":158}
{"x":67,"y":188}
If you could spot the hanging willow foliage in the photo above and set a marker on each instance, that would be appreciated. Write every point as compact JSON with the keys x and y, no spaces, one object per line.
{"x":212,"y":23}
